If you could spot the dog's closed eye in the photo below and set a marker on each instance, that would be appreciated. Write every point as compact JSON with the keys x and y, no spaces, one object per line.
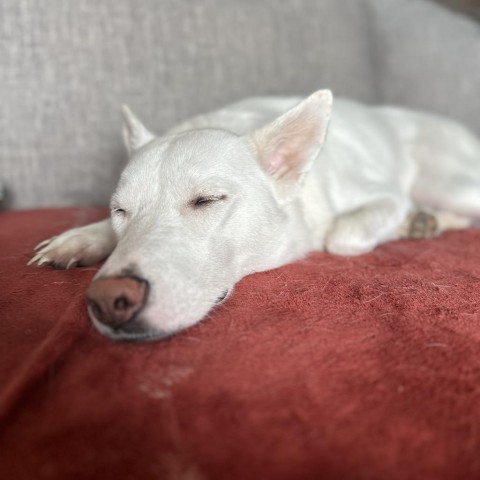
{"x":205,"y":200}
{"x":119,"y":211}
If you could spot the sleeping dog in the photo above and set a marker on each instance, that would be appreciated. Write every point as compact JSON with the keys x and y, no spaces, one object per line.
{"x":256,"y":185}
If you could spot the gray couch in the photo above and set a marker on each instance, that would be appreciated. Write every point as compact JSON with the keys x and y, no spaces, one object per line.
{"x":66,"y":66}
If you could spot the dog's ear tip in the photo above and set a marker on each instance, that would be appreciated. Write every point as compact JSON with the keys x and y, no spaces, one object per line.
{"x":126,"y":111}
{"x":135,"y":134}
{"x":324,"y":96}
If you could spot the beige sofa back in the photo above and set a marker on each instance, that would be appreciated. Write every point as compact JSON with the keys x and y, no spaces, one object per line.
{"x":65,"y":68}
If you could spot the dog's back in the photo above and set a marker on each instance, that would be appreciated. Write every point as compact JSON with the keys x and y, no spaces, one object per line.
{"x":422,"y":155}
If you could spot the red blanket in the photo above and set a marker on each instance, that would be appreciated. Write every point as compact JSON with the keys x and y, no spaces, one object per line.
{"x":330,"y":368}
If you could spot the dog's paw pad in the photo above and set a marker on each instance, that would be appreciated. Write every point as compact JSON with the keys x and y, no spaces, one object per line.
{"x":420,"y":225}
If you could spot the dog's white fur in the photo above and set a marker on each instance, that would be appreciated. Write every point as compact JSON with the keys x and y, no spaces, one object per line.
{"x":250,"y":187}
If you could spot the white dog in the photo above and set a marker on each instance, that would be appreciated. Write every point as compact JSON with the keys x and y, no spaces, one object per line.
{"x":254,"y":186}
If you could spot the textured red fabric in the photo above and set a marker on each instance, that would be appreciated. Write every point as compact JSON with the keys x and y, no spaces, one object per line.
{"x":330,"y":368}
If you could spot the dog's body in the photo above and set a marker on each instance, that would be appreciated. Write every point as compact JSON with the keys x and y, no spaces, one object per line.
{"x":227,"y":194}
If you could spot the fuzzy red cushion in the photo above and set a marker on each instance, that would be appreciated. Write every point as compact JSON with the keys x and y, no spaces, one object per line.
{"x":330,"y":368}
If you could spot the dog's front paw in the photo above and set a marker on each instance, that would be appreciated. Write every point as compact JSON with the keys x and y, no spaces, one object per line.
{"x":82,"y":246}
{"x":68,"y":250}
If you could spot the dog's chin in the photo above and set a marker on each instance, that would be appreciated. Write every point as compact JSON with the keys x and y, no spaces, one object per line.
{"x":139,"y":330}
{"x":134,"y":331}
{"x":139,"y":337}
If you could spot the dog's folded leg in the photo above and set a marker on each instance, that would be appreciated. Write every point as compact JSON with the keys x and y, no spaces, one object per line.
{"x":81,"y":246}
{"x":361,"y":230}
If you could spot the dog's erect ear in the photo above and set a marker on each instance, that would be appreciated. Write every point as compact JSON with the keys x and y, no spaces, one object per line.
{"x":135,"y":135}
{"x":287,"y":147}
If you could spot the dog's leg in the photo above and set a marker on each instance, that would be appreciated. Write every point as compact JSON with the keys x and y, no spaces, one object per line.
{"x":81,"y":246}
{"x":453,"y":221}
{"x":361,"y":230}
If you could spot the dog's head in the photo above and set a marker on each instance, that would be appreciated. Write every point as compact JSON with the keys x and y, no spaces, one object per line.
{"x":195,"y":212}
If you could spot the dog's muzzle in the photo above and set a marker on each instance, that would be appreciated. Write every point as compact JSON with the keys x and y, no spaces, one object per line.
{"x":115,"y":302}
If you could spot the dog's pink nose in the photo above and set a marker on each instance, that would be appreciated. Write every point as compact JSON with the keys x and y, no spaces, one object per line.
{"x":114,"y":301}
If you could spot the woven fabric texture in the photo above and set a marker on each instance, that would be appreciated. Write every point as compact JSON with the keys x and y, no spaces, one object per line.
{"x":332,"y":368}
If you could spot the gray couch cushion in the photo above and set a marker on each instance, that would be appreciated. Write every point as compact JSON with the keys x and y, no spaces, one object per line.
{"x":65,"y":68}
